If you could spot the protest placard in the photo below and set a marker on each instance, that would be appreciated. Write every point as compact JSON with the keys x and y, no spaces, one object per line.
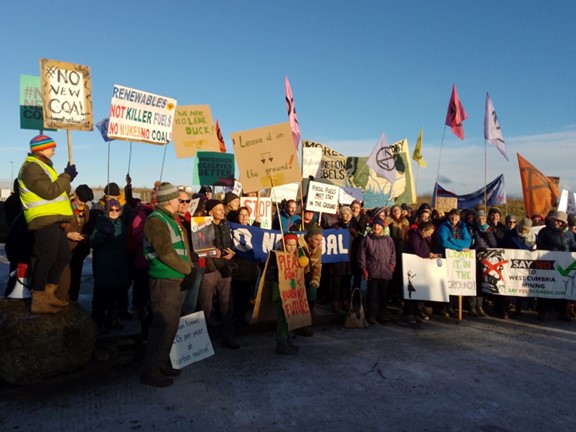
{"x":194,"y":130}
{"x":285,"y":192}
{"x":66,"y":95}
{"x":322,"y":197}
{"x":461,"y":272}
{"x":261,"y":207}
{"x":214,"y":168}
{"x":136,"y":115}
{"x":192,"y":342}
{"x":31,"y":116}
{"x":424,"y":279}
{"x":292,"y":290}
{"x":266,"y":157}
{"x":311,"y":161}
{"x":203,"y":237}
{"x":445,"y":204}
{"x":332,"y":164}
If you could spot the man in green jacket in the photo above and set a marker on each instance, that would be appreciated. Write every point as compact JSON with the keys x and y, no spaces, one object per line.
{"x":167,"y":250}
{"x":45,"y":201}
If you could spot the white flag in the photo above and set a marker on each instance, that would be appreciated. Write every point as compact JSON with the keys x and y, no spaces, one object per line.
{"x":492,"y":132}
{"x":382,"y":161}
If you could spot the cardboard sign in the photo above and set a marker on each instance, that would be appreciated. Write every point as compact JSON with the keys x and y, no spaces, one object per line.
{"x":66,"y":95}
{"x":194,"y":130}
{"x":446,"y":204}
{"x":31,"y":111}
{"x":292,"y":290}
{"x":139,"y":116}
{"x":461,"y":272}
{"x":322,"y":197}
{"x":259,"y":207}
{"x":192,"y":342}
{"x":285,"y":192}
{"x":266,"y":157}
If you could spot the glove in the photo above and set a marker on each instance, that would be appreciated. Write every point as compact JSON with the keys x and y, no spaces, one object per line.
{"x":71,"y":171}
{"x":365,"y":274}
{"x":392,"y":268}
{"x":128,"y":179}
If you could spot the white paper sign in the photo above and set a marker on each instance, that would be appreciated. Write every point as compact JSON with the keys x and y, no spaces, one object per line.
{"x":424,"y":279}
{"x":461,"y":272}
{"x":311,"y":160}
{"x":322,"y":197}
{"x":567,"y":202}
{"x":287,"y":192}
{"x":192,"y":342}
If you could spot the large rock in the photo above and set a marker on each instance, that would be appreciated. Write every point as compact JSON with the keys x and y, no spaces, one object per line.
{"x":34,"y":346}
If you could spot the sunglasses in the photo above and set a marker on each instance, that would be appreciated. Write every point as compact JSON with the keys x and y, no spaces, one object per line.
{"x":184,"y":201}
{"x":115,"y":210}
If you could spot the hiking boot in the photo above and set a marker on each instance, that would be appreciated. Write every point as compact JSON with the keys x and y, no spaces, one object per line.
{"x":304,"y":331}
{"x":41,"y":305}
{"x":481,"y":312}
{"x":169,"y":371}
{"x":452,"y":313}
{"x":51,"y":298}
{"x":472,"y":312}
{"x":156,"y":380}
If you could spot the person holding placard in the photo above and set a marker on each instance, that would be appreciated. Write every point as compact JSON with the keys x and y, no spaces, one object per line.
{"x":45,"y":200}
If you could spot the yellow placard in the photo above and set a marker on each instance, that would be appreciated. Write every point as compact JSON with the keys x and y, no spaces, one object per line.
{"x":194,"y":130}
{"x":446,"y":203}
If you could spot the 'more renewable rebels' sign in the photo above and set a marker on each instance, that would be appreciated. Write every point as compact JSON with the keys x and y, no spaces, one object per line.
{"x":139,"y":116}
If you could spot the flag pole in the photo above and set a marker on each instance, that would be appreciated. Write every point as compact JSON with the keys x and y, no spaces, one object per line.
{"x":163,"y":159}
{"x":278,"y":213}
{"x":439,"y":160}
{"x":485,"y":170}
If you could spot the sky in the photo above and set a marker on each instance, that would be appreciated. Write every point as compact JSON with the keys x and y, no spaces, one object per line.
{"x":357,"y":69}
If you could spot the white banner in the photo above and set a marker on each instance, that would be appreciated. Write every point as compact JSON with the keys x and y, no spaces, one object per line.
{"x":424,"y":279}
{"x":522,"y":273}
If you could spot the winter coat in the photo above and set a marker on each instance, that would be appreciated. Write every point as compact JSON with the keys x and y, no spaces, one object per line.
{"x":417,"y":245}
{"x":377,"y":256}
{"x":457,"y":238}
{"x":109,"y":243}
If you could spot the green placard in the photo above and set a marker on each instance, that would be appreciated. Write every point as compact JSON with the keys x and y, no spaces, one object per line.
{"x":31,"y":103}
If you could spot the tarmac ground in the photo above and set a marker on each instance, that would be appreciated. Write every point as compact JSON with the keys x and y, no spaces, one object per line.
{"x":478,"y":374}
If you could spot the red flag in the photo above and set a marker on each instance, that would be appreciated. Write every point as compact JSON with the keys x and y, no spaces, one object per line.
{"x":292,"y":114}
{"x":540,"y":193}
{"x":220,"y":137}
{"x":456,"y":114}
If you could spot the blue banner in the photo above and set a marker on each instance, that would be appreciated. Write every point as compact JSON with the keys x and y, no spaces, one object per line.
{"x":254,"y":244}
{"x":495,"y":194}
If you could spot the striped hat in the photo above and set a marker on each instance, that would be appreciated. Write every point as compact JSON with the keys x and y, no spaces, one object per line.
{"x":41,"y":142}
{"x":167,"y":192}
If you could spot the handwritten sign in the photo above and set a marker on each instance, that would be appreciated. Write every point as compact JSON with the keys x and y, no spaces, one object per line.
{"x":292,"y":291}
{"x":446,"y":204}
{"x":311,"y":161}
{"x":139,"y":116}
{"x":266,"y":157}
{"x":461,"y":272}
{"x":66,"y":95}
{"x":259,"y":207}
{"x":192,"y":342}
{"x":194,"y":130}
{"x":322,"y":197}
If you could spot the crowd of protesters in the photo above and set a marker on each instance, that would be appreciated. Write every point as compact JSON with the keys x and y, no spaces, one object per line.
{"x":147,"y":247}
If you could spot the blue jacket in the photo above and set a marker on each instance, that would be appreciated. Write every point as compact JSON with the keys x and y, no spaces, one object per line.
{"x":446,"y":239}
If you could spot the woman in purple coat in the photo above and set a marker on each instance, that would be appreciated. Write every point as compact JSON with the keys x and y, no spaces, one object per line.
{"x":377,"y":260}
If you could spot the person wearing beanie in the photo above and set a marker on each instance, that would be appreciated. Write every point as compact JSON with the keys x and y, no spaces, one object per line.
{"x":45,"y":201}
{"x":206,"y":191}
{"x":553,"y":238}
{"x":377,"y":259}
{"x":357,"y":230}
{"x":167,"y":251}
{"x":78,"y":242}
{"x":495,"y":222}
{"x":398,"y":225}
{"x":289,"y":244}
{"x":217,"y":278}
{"x":109,"y":243}
{"x":232,"y":204}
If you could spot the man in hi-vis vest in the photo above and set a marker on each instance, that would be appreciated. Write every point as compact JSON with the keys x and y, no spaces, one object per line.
{"x":45,"y":201}
{"x":166,"y":249}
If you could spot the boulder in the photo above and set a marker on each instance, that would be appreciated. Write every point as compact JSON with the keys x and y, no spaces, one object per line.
{"x":36,"y":346}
